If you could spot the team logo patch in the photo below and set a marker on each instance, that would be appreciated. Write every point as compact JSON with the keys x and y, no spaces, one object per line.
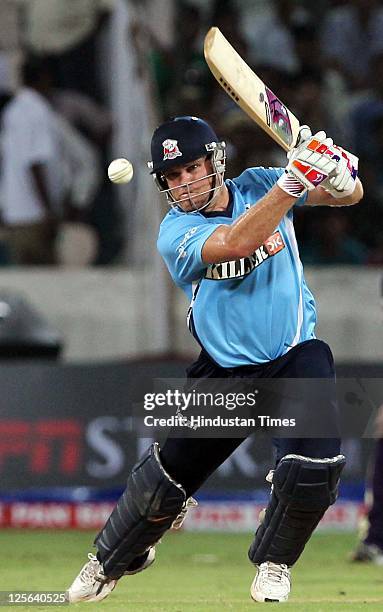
{"x":171,"y":150}
{"x":242,"y":267}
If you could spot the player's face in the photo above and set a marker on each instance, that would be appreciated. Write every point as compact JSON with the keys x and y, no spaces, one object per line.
{"x":190,"y":184}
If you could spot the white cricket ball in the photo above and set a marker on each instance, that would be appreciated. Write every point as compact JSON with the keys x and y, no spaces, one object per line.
{"x":120,"y":171}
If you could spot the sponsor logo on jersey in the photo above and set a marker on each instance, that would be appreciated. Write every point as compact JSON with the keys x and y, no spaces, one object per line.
{"x":274,"y":244}
{"x":171,"y":150}
{"x":181,"y":249}
{"x":245,"y":265}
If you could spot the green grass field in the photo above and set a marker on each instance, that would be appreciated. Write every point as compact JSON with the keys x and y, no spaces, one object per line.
{"x":199,"y":572}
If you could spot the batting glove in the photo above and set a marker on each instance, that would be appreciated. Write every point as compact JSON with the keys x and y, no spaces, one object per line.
{"x":311,"y":161}
{"x":342,"y":184}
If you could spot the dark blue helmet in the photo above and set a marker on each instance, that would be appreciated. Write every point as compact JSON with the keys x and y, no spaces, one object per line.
{"x":180,"y":140}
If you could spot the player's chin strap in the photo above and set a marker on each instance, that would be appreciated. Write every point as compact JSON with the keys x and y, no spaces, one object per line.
{"x":151,"y":504}
{"x":217,"y":151}
{"x":302,"y":490}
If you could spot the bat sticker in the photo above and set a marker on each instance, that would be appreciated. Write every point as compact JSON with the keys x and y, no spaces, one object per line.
{"x":278,"y":117}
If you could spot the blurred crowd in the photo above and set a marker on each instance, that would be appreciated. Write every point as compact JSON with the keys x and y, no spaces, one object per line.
{"x":56,"y":206}
{"x":324,"y":60}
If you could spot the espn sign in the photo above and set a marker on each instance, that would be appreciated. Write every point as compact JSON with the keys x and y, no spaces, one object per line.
{"x":40,"y":443}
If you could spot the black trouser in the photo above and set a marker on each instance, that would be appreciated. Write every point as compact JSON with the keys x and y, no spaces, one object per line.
{"x":190,"y":461}
{"x":375,"y":515}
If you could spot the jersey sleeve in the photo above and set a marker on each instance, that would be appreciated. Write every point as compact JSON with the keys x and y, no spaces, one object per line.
{"x":180,"y":243}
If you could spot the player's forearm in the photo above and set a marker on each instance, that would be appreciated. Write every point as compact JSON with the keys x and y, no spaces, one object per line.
{"x":320,"y":197}
{"x":250,"y":230}
{"x":352,"y":199}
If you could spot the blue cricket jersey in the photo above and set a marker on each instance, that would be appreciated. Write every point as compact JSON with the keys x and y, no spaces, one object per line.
{"x":247,"y":311}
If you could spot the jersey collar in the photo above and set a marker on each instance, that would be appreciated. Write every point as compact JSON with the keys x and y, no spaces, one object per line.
{"x":222,"y":213}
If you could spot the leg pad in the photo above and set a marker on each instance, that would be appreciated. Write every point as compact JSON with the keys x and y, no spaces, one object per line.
{"x":302,"y":490}
{"x":150,"y":503}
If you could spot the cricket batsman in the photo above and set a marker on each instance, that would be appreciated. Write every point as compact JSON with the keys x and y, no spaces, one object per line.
{"x":254,"y":319}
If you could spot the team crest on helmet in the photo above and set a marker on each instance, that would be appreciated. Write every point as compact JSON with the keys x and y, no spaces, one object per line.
{"x":171,"y":150}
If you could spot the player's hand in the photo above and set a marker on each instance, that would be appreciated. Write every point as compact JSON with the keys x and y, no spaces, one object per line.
{"x":311,"y":161}
{"x":342,"y":184}
{"x":304,"y":135}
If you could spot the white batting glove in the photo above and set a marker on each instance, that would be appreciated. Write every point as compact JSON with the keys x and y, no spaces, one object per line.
{"x":289,"y":183}
{"x":311,"y":161}
{"x":342,"y":184}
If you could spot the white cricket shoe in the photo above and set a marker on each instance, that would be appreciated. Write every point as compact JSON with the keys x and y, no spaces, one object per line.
{"x":92,"y":585}
{"x":272,"y":582}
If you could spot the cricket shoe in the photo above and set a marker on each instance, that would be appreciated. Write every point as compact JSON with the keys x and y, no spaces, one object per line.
{"x":272,"y":582}
{"x":93,"y":585}
{"x":370,"y":553}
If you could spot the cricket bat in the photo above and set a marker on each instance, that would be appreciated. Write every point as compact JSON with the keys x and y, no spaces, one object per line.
{"x":249,"y":91}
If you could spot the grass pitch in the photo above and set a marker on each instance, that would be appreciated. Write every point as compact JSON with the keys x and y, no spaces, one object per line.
{"x":193,"y":572}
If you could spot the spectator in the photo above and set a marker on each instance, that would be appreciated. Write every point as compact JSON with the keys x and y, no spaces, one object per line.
{"x":226,"y":15}
{"x":5,"y":97}
{"x":366,"y":120}
{"x":43,"y":160}
{"x":69,"y":32}
{"x":246,"y":143}
{"x":351,"y":35}
{"x":9,"y":43}
{"x":93,"y":120}
{"x":308,"y":99}
{"x":370,"y":547}
{"x":331,"y":242}
{"x":320,"y":93}
{"x":188,"y":77}
{"x":266,"y":28}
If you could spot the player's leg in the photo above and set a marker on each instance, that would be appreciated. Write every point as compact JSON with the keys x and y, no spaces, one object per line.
{"x":302,"y":490}
{"x":304,"y":485}
{"x":156,"y":496}
{"x":191,"y":461}
{"x":371,"y":547}
{"x":375,"y":517}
